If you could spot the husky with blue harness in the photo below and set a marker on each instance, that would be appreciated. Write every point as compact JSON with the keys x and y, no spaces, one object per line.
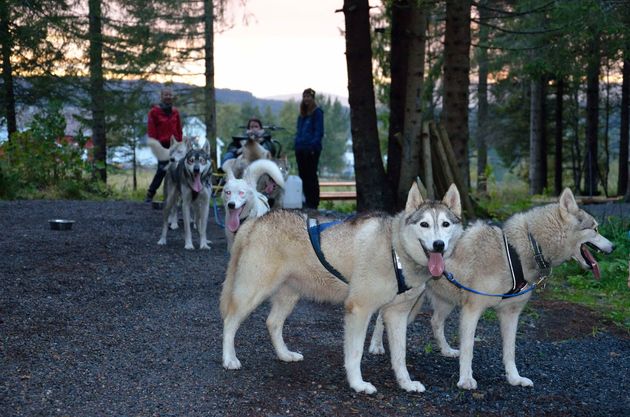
{"x":369,"y":262}
{"x":498,"y":267}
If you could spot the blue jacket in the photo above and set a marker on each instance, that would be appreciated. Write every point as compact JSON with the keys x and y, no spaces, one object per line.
{"x":310,"y":131}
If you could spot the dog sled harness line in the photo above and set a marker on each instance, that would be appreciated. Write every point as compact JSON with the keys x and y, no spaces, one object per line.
{"x":516,"y":271}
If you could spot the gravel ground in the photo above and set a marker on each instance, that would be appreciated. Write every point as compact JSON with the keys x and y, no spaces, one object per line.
{"x":100,"y":321}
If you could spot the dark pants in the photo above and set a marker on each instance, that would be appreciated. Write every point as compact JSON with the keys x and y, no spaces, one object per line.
{"x":157,"y":179}
{"x":307,"y":162}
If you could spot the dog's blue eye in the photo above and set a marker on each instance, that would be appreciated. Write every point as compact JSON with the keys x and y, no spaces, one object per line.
{"x":446,"y":224}
{"x":424,"y":224}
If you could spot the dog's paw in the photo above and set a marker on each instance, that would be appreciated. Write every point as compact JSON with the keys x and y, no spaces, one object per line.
{"x":412,"y":386}
{"x":377,"y":348}
{"x":519,"y":380}
{"x":365,"y":387}
{"x":189,"y":246}
{"x":204,"y":245}
{"x":232,"y":363}
{"x":291,"y":357}
{"x":467,"y":383}
{"x":174,"y":226}
{"x":162,"y":242}
{"x":450,"y":353}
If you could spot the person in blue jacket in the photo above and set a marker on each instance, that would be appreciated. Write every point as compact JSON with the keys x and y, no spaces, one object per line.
{"x":308,"y":146}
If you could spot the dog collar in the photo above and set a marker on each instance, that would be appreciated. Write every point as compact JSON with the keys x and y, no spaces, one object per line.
{"x":543,"y":266}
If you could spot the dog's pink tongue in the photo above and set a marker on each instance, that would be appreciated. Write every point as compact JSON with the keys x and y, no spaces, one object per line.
{"x":589,"y":256}
{"x":234,"y":220}
{"x":436,"y":264}
{"x":197,"y":184}
{"x":269,"y":188}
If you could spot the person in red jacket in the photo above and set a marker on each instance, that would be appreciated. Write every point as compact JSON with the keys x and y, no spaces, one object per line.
{"x":164,"y":122}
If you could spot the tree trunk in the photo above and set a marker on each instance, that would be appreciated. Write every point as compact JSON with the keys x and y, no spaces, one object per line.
{"x":482,"y":98}
{"x":209,"y":92}
{"x":412,"y":131}
{"x":7,"y":69}
{"x":624,"y":133}
{"x":543,"y":131}
{"x":398,"y":57}
{"x":97,"y":91}
{"x":535,"y":138}
{"x":592,"y":119}
{"x":372,"y":193}
{"x":558,"y":136}
{"x":456,"y":82}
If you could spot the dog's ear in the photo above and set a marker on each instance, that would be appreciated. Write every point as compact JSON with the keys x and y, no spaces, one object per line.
{"x":206,"y":147}
{"x":173,"y":140}
{"x":567,"y":202}
{"x":453,"y":200}
{"x":414,"y":199}
{"x":229,"y":174}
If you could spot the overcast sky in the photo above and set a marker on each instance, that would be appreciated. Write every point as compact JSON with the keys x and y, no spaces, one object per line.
{"x":287,"y":46}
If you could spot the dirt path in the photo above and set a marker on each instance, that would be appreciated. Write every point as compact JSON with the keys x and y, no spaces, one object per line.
{"x":101,"y":321}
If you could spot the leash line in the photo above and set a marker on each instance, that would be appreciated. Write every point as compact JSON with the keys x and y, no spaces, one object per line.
{"x":458,"y":284}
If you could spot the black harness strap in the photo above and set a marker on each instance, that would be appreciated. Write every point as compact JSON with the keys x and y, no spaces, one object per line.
{"x":516,"y":269}
{"x":400,"y":278}
{"x":313,"y":227}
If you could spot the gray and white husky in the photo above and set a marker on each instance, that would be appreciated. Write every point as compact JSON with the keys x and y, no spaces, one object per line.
{"x":381,"y":262}
{"x":542,"y":238}
{"x":241,"y":199}
{"x":190,"y":180}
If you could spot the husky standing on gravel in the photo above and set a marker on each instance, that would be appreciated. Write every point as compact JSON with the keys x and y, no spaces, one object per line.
{"x":374,"y":261}
{"x":191,"y":181}
{"x":498,"y":268}
{"x":242,"y":201}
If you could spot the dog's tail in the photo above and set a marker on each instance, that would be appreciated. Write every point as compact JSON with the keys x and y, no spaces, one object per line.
{"x":160,"y":152}
{"x":263,"y":166}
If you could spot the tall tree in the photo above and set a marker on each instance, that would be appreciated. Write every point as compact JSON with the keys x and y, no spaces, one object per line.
{"x":536,"y":150}
{"x":456,"y":81}
{"x":559,"y":134}
{"x":592,"y":116}
{"x":624,"y":128}
{"x":372,"y":192}
{"x":482,"y":98}
{"x":97,"y":89}
{"x":209,"y":89}
{"x":412,"y":127}
{"x":6,"y":42}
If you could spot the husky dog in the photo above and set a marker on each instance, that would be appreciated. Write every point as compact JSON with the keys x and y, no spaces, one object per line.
{"x":382,"y":259}
{"x":251,"y":151}
{"x":173,"y":154}
{"x":241,"y":200}
{"x":542,"y":237}
{"x":190,"y":181}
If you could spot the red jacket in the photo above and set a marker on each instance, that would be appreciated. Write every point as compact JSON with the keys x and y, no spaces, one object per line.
{"x":162,"y":126}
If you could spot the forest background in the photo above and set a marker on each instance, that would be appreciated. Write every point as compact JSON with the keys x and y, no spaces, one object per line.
{"x":543,"y":85}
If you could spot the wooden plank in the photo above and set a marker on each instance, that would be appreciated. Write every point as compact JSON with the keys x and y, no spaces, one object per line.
{"x":338,"y":195}
{"x":337,"y":184}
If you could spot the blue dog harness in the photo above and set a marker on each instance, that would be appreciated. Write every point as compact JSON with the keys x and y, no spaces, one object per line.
{"x":314,"y":230}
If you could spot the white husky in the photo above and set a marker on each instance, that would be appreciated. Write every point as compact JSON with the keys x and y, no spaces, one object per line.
{"x":382,"y":260}
{"x":541,"y":238}
{"x":242,"y":201}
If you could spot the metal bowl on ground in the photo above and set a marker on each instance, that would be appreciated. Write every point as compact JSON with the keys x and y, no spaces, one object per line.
{"x":60,"y":224}
{"x":157,"y":205}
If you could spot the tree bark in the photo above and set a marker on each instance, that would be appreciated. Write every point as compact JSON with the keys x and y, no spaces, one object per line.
{"x":372,"y":193}
{"x":209,"y":92}
{"x":412,"y":130}
{"x":592,"y":119}
{"x":456,"y":82}
{"x":7,"y":69}
{"x":624,"y":133}
{"x":535,"y":148}
{"x":97,"y":90}
{"x":482,"y":100}
{"x":558,"y":136}
{"x":397,"y":92}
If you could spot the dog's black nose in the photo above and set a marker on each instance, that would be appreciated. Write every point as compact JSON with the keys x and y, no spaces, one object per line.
{"x":231,"y":205}
{"x":438,"y":245}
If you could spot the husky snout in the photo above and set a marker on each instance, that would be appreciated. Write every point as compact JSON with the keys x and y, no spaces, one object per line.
{"x":438,"y":246}
{"x":231,"y":205}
